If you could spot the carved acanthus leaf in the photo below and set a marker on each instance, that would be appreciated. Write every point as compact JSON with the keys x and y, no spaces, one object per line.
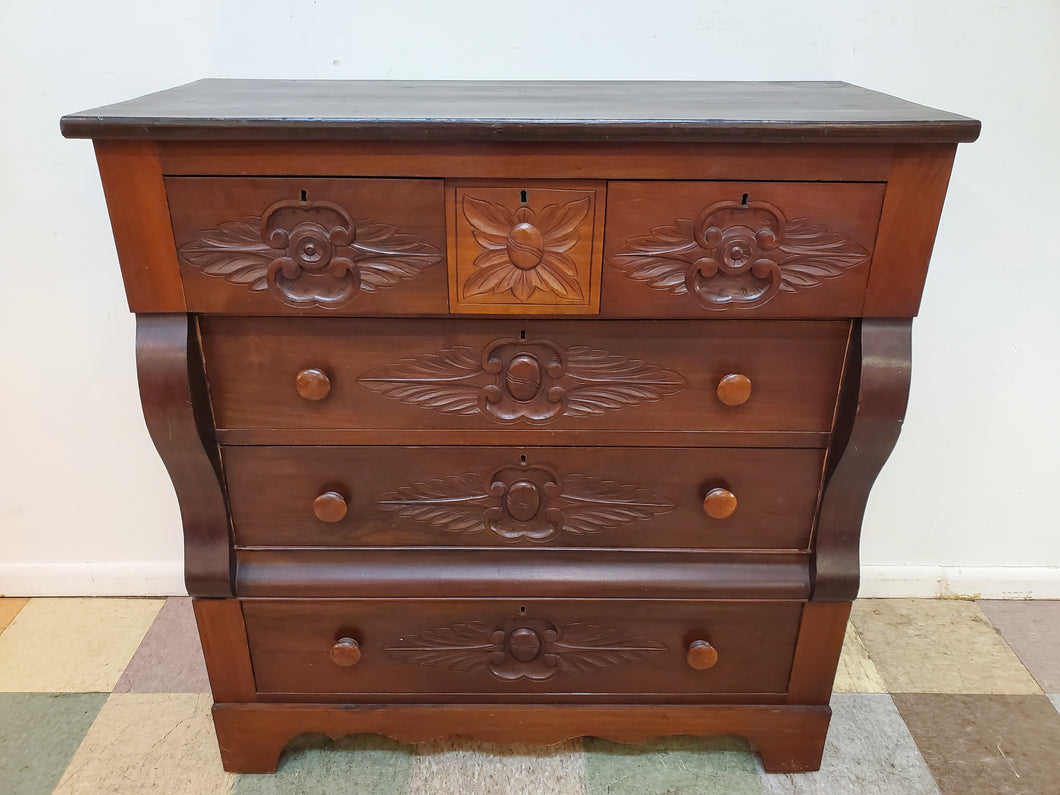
{"x":577,"y":381}
{"x":460,"y":647}
{"x":590,"y":504}
{"x":456,"y":503}
{"x":233,"y":251}
{"x":587,"y":648}
{"x":737,"y":255}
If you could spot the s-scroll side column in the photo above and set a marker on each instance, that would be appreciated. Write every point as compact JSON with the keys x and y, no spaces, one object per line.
{"x":872,"y":403}
{"x":177,"y":410}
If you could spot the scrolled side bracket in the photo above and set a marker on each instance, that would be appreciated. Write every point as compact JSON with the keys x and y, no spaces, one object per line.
{"x":872,"y":405}
{"x":177,"y":410}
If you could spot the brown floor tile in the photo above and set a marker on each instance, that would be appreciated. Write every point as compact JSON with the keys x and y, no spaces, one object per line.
{"x":986,"y":743}
{"x":9,"y":608}
{"x":1032,"y":629}
{"x":169,"y":659}
{"x":938,"y":646}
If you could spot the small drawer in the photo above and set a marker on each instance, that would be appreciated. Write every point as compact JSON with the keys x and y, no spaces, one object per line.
{"x":267,"y":246}
{"x":682,"y":498}
{"x":418,"y":381}
{"x":525,"y":248}
{"x":739,"y":249}
{"x":453,"y":650}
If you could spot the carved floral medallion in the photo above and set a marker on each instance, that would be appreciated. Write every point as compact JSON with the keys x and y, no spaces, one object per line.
{"x":523,"y":647}
{"x":521,"y":502}
{"x":309,"y":253}
{"x":737,"y":254}
{"x":516,"y":380}
{"x":524,"y":251}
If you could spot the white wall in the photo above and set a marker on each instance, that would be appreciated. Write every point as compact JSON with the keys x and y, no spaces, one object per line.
{"x":966,"y":503}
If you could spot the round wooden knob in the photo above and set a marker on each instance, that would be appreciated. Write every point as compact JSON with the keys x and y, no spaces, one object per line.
{"x":719,"y":503}
{"x":701,"y":655}
{"x":734,"y":389}
{"x":347,"y":652}
{"x":312,"y":384}
{"x":330,"y":507}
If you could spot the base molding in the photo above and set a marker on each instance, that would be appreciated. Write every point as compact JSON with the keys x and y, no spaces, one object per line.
{"x":789,"y":739}
{"x":968,"y":582}
{"x":118,"y":578}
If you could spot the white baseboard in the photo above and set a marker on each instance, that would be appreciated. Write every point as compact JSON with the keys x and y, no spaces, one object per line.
{"x":128,"y":578}
{"x":155,"y":578}
{"x":949,"y":582}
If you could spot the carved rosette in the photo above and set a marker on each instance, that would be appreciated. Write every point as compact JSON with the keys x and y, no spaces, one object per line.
{"x":516,"y":380}
{"x":524,"y":251}
{"x":309,"y":253}
{"x":737,"y":254}
{"x":523,"y":647}
{"x":524,"y":503}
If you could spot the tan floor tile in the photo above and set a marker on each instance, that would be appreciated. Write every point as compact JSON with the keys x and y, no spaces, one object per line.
{"x":9,"y":608}
{"x":149,"y":742}
{"x":856,"y":673}
{"x":72,"y":645}
{"x":938,"y":646}
{"x":473,"y":768}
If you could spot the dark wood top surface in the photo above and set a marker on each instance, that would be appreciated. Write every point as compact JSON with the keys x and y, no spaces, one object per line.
{"x":215,"y":109}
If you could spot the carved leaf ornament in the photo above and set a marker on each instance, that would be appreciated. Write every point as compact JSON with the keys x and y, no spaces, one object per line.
{"x":523,"y":502}
{"x":524,"y":251}
{"x":516,"y":380}
{"x":523,"y":647}
{"x":737,"y":254}
{"x":309,"y":253}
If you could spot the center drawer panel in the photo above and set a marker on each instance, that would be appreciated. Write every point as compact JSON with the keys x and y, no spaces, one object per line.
{"x":523,"y":497}
{"x":506,"y":377}
{"x":451,"y":650}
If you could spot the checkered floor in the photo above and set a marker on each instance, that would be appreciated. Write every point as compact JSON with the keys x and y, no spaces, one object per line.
{"x":110,"y":695}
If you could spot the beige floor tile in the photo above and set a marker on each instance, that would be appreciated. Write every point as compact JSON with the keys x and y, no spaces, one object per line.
{"x":149,"y":742}
{"x":856,"y":673}
{"x":9,"y":608}
{"x":72,"y":645}
{"x":472,"y":768}
{"x":938,"y":646}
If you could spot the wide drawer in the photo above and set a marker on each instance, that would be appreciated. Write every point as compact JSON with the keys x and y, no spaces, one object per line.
{"x":417,"y":381}
{"x":739,"y":249}
{"x":271,"y":245}
{"x":524,"y":496}
{"x":450,"y":650}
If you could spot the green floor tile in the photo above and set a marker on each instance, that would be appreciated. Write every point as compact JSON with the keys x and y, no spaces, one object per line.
{"x":686,"y":765}
{"x":39,"y":733}
{"x":312,"y":764}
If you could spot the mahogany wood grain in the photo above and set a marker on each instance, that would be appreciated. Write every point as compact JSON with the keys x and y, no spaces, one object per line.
{"x":501,"y":160}
{"x":224,"y":646}
{"x":377,"y":246}
{"x":554,"y":270}
{"x":442,"y":650}
{"x":916,"y":188}
{"x":561,"y":110}
{"x":626,"y":437}
{"x":489,"y":573}
{"x":573,"y":497}
{"x":817,"y":652}
{"x":789,"y":739}
{"x":177,"y":410}
{"x":807,"y":246}
{"x":869,"y":419}
{"x":431,"y":376}
{"x":139,"y":217}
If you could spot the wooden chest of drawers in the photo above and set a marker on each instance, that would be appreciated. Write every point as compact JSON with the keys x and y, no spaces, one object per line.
{"x":523,"y":411}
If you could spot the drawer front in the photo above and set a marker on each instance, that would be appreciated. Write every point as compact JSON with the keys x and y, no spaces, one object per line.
{"x":601,"y":650}
{"x":739,"y":249}
{"x":508,"y":376}
{"x":272,"y":246}
{"x":524,"y":497}
{"x":526,"y":248}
